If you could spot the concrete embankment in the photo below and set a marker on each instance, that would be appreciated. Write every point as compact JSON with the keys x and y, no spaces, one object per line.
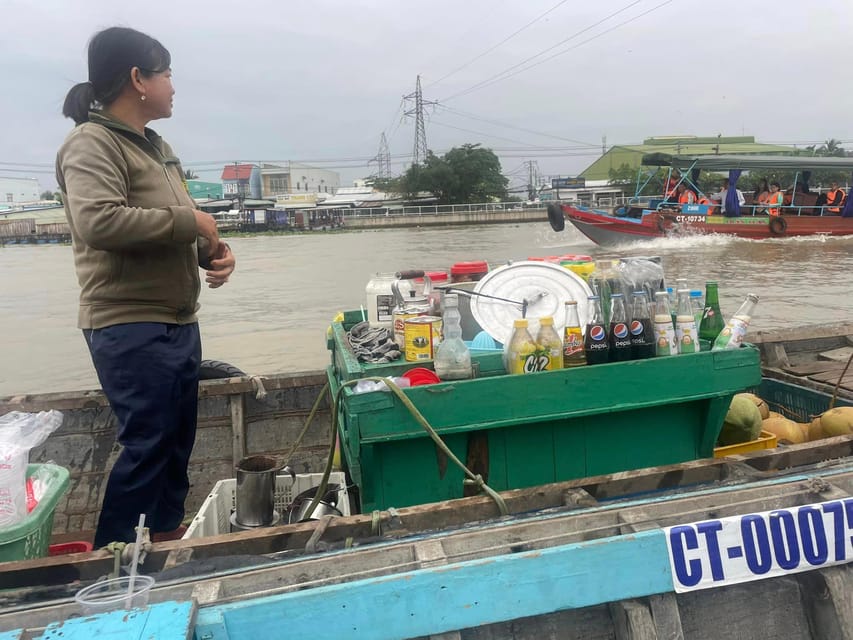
{"x":444,"y":219}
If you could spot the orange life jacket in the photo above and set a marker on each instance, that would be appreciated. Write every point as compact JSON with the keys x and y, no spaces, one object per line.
{"x":775,"y":201}
{"x":688,"y":197}
{"x":835,"y":196}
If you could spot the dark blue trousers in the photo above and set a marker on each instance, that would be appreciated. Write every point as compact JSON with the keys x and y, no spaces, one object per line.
{"x":149,"y":373}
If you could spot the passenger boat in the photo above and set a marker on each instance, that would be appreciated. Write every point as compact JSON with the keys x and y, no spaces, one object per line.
{"x":644,"y":218}
{"x":620,"y":554}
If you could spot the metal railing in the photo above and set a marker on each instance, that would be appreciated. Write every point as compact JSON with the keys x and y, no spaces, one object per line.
{"x":439,"y":209}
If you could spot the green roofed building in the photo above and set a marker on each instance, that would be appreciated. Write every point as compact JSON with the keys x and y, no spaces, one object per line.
{"x":631,"y":155}
{"x":200,"y":190}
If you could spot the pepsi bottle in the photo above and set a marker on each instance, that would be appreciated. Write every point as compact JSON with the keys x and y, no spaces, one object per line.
{"x":642,"y":331}
{"x":595,"y":344}
{"x":620,"y":337}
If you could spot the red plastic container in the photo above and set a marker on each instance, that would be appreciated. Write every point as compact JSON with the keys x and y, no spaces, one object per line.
{"x":64,"y":548}
{"x":421,"y":375}
{"x":468,"y":271}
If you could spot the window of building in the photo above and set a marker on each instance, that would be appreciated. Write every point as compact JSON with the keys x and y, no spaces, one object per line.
{"x":297,"y":186}
{"x":10,"y":197}
{"x":278,"y":184}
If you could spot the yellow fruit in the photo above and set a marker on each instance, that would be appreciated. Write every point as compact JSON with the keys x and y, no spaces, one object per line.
{"x":785,"y":430}
{"x":763,"y":409}
{"x":837,"y":422}
{"x":773,"y":414}
{"x":816,"y":430}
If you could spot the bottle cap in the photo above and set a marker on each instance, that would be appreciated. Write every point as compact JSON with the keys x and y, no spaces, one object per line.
{"x":546,"y":320}
{"x":593,"y":298}
{"x":695,"y":293}
{"x":616,"y":295}
{"x":572,"y":302}
{"x":520,"y":323}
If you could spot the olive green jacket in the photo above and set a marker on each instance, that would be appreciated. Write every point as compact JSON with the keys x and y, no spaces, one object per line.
{"x":133,"y":229}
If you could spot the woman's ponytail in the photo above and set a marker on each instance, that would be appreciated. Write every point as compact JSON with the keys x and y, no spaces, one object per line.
{"x":79,"y":102}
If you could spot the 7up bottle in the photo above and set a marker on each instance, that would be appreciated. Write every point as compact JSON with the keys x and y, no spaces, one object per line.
{"x":731,"y":337}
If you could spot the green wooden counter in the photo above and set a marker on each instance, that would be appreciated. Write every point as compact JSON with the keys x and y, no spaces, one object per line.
{"x":523,"y":430}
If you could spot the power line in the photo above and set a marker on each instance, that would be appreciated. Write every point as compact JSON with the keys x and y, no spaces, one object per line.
{"x":541,"y":53}
{"x":572,"y":48}
{"x":479,"y":133}
{"x":509,"y":126}
{"x":505,"y":40}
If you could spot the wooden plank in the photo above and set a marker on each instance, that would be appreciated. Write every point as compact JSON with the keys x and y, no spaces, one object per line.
{"x":238,"y":427}
{"x":66,"y":569}
{"x":842,"y":354}
{"x":166,"y":621}
{"x":458,"y":596}
{"x":632,"y":620}
{"x":499,"y":538}
{"x":811,"y":368}
{"x":807,"y":332}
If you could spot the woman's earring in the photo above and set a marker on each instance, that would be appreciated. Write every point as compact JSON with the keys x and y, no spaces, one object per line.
{"x":142,"y":97}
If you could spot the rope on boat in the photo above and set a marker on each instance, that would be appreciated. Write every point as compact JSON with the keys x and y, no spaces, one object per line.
{"x":308,"y":422}
{"x":838,"y":384}
{"x":472,"y":478}
{"x":258,"y":385}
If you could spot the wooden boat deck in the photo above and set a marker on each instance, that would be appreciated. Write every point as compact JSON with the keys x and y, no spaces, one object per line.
{"x":564,"y":540}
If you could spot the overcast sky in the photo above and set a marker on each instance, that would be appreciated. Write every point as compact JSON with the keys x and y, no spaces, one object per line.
{"x":321,"y":80}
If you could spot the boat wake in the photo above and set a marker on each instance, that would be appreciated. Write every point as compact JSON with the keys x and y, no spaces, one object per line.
{"x":680,"y":241}
{"x":699,"y":240}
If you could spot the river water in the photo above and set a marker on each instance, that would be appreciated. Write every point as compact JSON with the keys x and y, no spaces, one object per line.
{"x":273,"y":314}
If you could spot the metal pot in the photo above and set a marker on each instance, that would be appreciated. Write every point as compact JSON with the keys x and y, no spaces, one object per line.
{"x":255,"y":490}
{"x":299,"y":508}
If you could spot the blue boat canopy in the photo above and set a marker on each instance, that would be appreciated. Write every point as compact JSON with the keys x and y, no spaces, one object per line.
{"x":746,"y":163}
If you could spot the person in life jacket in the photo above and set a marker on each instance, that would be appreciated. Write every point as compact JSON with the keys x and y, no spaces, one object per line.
{"x":834,"y":198}
{"x":775,"y":200}
{"x":669,"y":188}
{"x":685,"y":195}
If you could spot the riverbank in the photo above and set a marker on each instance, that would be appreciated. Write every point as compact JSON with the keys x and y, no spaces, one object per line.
{"x":34,"y":231}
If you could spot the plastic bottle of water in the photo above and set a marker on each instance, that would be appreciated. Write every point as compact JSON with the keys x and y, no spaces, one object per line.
{"x":452,"y":359}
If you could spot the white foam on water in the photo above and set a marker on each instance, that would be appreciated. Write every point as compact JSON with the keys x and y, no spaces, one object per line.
{"x":680,"y":241}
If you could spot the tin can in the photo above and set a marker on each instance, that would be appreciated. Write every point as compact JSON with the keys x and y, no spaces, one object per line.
{"x":401,"y":314}
{"x":423,"y":334}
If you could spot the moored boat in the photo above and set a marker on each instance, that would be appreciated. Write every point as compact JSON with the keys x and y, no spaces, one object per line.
{"x":590,"y":557}
{"x":644,"y":218}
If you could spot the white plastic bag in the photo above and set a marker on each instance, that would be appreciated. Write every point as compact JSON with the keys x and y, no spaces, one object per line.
{"x":20,"y":432}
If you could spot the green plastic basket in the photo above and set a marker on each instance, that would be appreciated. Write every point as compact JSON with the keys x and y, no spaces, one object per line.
{"x":30,"y":538}
{"x":794,"y":401}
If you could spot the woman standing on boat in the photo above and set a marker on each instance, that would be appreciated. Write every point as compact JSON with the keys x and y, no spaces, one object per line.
{"x":138,"y":242}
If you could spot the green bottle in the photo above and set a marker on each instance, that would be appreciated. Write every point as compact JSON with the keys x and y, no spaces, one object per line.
{"x":712,"y":320}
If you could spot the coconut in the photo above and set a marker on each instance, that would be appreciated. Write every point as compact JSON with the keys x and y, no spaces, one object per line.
{"x":816,"y":430}
{"x":762,"y":406}
{"x":837,"y":422}
{"x":785,"y":430}
{"x":773,"y":414}
{"x":742,"y":422}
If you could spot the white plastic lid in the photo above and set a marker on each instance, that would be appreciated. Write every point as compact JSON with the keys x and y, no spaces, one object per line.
{"x":527,"y":280}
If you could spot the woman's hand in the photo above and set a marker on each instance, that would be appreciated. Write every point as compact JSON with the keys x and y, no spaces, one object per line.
{"x":206,"y":225}
{"x":222,"y":265}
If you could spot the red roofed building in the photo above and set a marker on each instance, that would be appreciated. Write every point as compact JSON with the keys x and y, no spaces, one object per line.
{"x":241,"y":180}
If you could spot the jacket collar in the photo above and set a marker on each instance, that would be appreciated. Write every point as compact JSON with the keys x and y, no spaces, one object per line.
{"x":151,"y":137}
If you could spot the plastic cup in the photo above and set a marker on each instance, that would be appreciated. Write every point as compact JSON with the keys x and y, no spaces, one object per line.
{"x":112,"y":595}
